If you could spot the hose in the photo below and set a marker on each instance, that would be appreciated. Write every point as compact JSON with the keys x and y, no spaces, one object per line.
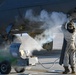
{"x":51,"y":65}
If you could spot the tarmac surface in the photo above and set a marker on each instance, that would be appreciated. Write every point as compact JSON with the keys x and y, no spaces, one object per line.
{"x":48,"y":65}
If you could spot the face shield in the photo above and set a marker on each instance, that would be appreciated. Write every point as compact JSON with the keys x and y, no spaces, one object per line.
{"x":71,"y":27}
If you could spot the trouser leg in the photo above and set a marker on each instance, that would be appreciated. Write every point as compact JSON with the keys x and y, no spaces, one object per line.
{"x":72,"y":61}
{"x":66,"y":59}
{"x":72,"y":58}
{"x":66,"y":63}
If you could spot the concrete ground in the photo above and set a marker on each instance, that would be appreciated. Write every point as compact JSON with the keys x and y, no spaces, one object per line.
{"x":46,"y":65}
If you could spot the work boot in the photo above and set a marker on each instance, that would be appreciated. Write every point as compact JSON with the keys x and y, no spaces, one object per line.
{"x":73,"y":70}
{"x":66,"y":70}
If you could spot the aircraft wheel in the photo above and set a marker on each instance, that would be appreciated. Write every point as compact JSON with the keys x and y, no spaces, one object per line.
{"x":5,"y":67}
{"x":19,"y":70}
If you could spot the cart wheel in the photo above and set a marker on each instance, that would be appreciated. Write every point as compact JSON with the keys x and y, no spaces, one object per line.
{"x":19,"y":70}
{"x":5,"y":67}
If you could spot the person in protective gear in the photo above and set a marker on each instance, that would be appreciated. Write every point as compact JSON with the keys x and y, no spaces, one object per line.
{"x":68,"y":50}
